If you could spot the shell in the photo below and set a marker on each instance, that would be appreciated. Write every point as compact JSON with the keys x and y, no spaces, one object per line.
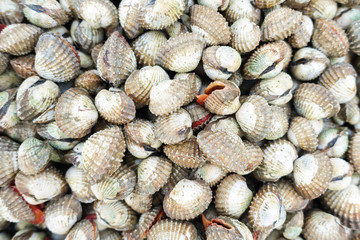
{"x":157,"y":15}
{"x":317,"y":9}
{"x":173,"y":128}
{"x":233,"y":196}
{"x":4,"y":61}
{"x":128,"y":17}
{"x":353,"y":34}
{"x":63,"y":32}
{"x":223,"y":149}
{"x":181,"y":53}
{"x":9,"y":116}
{"x":171,"y":230}
{"x":177,"y":173}
{"x":210,"y":174}
{"x":148,"y":220}
{"x":47,"y":116}
{"x":87,"y":37}
{"x":278,"y":161}
{"x":242,"y":9}
{"x":177,"y":28}
{"x":314,"y":102}
{"x":98,"y":13}
{"x":312,"y":174}
{"x":267,"y":61}
{"x":110,"y":234}
{"x":62,"y":68}
{"x":8,"y":159}
{"x":21,"y":131}
{"x":334,"y":141}
{"x":254,"y":117}
{"x":41,"y":187}
{"x":95,"y":52}
{"x":342,"y":171}
{"x":140,"y":203}
{"x":199,"y":115}
{"x":302,"y":134}
{"x":227,"y":228}
{"x":266,"y":207}
{"x":115,"y":215}
{"x":330,"y":38}
{"x":346,"y":16}
{"x":90,"y":81}
{"x":13,"y":207}
{"x":24,"y":66}
{"x":19,"y":39}
{"x":308,"y":64}
{"x":302,"y":34}
{"x":220,"y":62}
{"x":29,"y":233}
{"x":9,"y":79}
{"x":62,"y":214}
{"x":11,"y":12}
{"x":210,"y":24}
{"x":45,"y":14}
{"x":267,"y":3}
{"x":103,"y":153}
{"x":219,"y":123}
{"x":79,"y":185}
{"x":245,"y":35}
{"x":340,"y":80}
{"x":292,"y":200}
{"x":34,"y":96}
{"x":147,"y":45}
{"x":254,"y":157}
{"x":116,"y":60}
{"x":84,"y":230}
{"x":187,"y":200}
{"x":279,"y":124}
{"x":75,"y":113}
{"x":280,"y":24}
{"x":353,"y":153}
{"x":349,"y":113}
{"x":321,"y":225}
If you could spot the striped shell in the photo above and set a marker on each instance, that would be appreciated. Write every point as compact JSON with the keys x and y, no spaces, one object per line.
{"x":292,"y":200}
{"x":353,"y":34}
{"x":128,"y":17}
{"x":90,"y":81}
{"x":354,"y":152}
{"x":342,"y":172}
{"x":302,"y":34}
{"x":172,"y":230}
{"x":98,"y":13}
{"x":85,"y":36}
{"x":9,"y":116}
{"x":238,"y":9}
{"x":177,"y":174}
{"x":10,"y":12}
{"x":140,"y":203}
{"x":8,"y":159}
{"x":302,"y":134}
{"x":84,"y":230}
{"x":4,"y":61}
{"x":279,"y":124}
{"x":9,"y":79}
{"x":21,"y":131}
{"x":199,"y":115}
{"x":245,"y":35}
{"x":79,"y":185}
{"x":24,"y":66}
{"x":316,"y":9}
{"x":210,"y":174}
{"x":224,"y":227}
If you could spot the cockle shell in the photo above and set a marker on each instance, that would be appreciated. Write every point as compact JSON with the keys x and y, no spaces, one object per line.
{"x":85,"y":36}
{"x":330,"y":38}
{"x":317,"y":9}
{"x":242,"y":9}
{"x":172,"y":230}
{"x":217,"y":4}
{"x":116,"y":60}
{"x":8,"y":159}
{"x":84,"y":230}
{"x":45,"y":13}
{"x":149,"y":219}
{"x":4,"y":61}
{"x":345,"y":16}
{"x":302,"y":34}
{"x":314,"y":101}
{"x":56,"y":59}
{"x":128,"y":17}
{"x":29,"y":233}
{"x":334,"y":141}
{"x":245,"y":35}
{"x":292,"y":200}
{"x":354,"y":152}
{"x":177,"y":28}
{"x":279,"y":124}
{"x":11,"y":12}
{"x":349,"y":113}
{"x":353,"y":34}
{"x":19,"y":39}
{"x":79,"y":185}
{"x":187,"y":200}
{"x":210,"y":174}
{"x":47,"y":116}
{"x":9,"y":116}
{"x":223,"y":227}
{"x":21,"y":131}
{"x":110,"y":234}
{"x":90,"y":81}
{"x":63,"y":32}
{"x":99,"y":13}
{"x":140,"y":203}
{"x":267,"y":3}
{"x":103,"y":153}
{"x":24,"y":66}
{"x":181,"y":53}
{"x":220,"y":123}
{"x":254,"y":157}
{"x":199,"y":115}
{"x":210,"y":24}
{"x":342,"y":172}
{"x":280,"y":24}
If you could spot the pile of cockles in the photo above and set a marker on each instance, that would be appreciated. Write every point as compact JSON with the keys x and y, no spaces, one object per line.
{"x":179,"y":120}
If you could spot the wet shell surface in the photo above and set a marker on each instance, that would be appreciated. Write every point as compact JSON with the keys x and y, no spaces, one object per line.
{"x":24,"y":66}
{"x":75,"y":113}
{"x":171,"y":230}
{"x":187,"y":200}
{"x":8,"y":158}
{"x":98,"y":13}
{"x":79,"y":185}
{"x":19,"y":39}
{"x":292,"y":200}
{"x":245,"y":35}
{"x":354,"y":152}
{"x":302,"y":134}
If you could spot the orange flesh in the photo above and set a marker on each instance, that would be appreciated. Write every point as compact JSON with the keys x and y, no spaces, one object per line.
{"x":201,"y":99}
{"x":201,"y":121}
{"x":214,"y":86}
{"x":91,"y":217}
{"x":214,"y":222}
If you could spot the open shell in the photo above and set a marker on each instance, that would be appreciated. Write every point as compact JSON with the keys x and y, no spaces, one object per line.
{"x":224,"y":227}
{"x":199,"y":115}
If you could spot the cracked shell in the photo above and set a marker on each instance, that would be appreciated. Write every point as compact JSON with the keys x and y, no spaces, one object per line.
{"x":245,"y":35}
{"x":24,"y":66}
{"x":168,"y":229}
{"x":98,"y":13}
{"x":8,"y":159}
{"x":292,"y":200}
{"x":302,"y":134}
{"x":79,"y":185}
{"x":84,"y":230}
{"x":128,"y":17}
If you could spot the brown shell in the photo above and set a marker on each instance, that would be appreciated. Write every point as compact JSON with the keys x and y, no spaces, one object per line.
{"x":187,"y":200}
{"x":149,"y":219}
{"x":128,"y":17}
{"x":79,"y":185}
{"x":353,"y":34}
{"x":354,"y":151}
{"x":314,"y":101}
{"x":110,"y":234}
{"x":140,"y":203}
{"x":8,"y":159}
{"x":24,"y":66}
{"x":280,"y":24}
{"x":95,"y":52}
{"x":75,"y":113}
{"x":172,"y":230}
{"x":200,"y":116}
{"x":116,"y":60}
{"x":302,"y":134}
{"x":330,"y":38}
{"x":84,"y":230}
{"x":245,"y":35}
{"x":11,"y":12}
{"x":292,"y":200}
{"x":4,"y":61}
{"x":254,"y":157}
{"x":224,"y":227}
{"x":103,"y":153}
{"x":19,"y":39}
{"x":177,"y":173}
{"x":210,"y":24}
{"x":90,"y":81}
{"x":317,"y":9}
{"x":302,"y":34}
{"x":312,"y":174}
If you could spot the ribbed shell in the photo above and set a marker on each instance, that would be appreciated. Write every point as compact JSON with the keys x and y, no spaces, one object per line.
{"x":149,"y":219}
{"x":280,"y":24}
{"x":342,"y":172}
{"x":19,"y":39}
{"x":56,"y":59}
{"x":98,"y":13}
{"x":302,"y":134}
{"x":11,"y":12}
{"x":210,"y":173}
{"x":172,"y":230}
{"x":349,"y":112}
{"x":292,"y":200}
{"x":90,"y":81}
{"x":110,"y":234}
{"x":75,"y":113}
{"x":353,"y":34}
{"x":312,"y":174}
{"x":178,"y":28}
{"x":103,"y":153}
{"x":265,"y":208}
{"x":86,"y":36}
{"x":245,"y":35}
{"x":254,"y":157}
{"x":317,"y":9}
{"x":33,"y":155}
{"x":254,"y":117}
{"x":62,"y":214}
{"x":57,"y":139}
{"x":181,"y":53}
{"x":200,"y":116}
{"x":147,"y":45}
{"x":345,"y":204}
{"x":173,"y":128}
{"x":128,"y":17}
{"x":116,"y":215}
{"x":24,"y":66}
{"x":116,"y":60}
{"x":168,"y":96}
{"x":41,"y":187}
{"x":302,"y":34}
{"x":187,"y":200}
{"x":9,"y":79}
{"x":34,"y":96}
{"x":238,"y":9}
{"x":140,"y":203}
{"x":177,"y":174}
{"x":28,"y":233}
{"x":340,"y":80}
{"x":267,"y":61}
{"x":13,"y":207}
{"x":152,"y":174}
{"x":267,"y":3}
{"x":330,"y":38}
{"x":8,"y":117}
{"x":210,"y":24}
{"x":314,"y":102}
{"x":79,"y":185}
{"x":4,"y":61}
{"x":8,"y":159}
{"x":233,"y":196}
{"x":157,"y":15}
{"x":227,"y":228}
{"x":220,"y":123}
{"x":354,"y":152}
{"x":84,"y":230}
{"x":279,"y":124}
